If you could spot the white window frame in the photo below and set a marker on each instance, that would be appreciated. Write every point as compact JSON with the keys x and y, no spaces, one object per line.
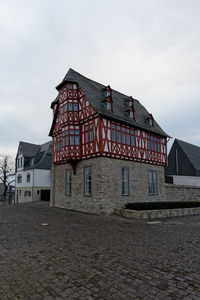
{"x":88,"y":181}
{"x":125,"y":181}
{"x":153,"y":182}
{"x":68,"y":182}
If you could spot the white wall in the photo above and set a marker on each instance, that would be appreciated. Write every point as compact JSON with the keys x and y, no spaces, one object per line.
{"x":24,"y":176}
{"x":38,"y":178}
{"x":41,"y":178}
{"x":186,"y":180}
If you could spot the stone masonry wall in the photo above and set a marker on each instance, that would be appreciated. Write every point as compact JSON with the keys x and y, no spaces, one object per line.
{"x":182,"y":193}
{"x":106,"y":185}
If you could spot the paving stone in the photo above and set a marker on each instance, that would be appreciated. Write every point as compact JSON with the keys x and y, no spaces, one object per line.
{"x":83,"y":256}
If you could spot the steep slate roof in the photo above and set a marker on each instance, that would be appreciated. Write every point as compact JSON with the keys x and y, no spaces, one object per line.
{"x":192,"y":152}
{"x":95,"y":93}
{"x":28,"y":149}
{"x":41,"y":155}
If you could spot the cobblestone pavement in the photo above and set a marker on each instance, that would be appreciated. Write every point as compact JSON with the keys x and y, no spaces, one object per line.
{"x":82,"y":256}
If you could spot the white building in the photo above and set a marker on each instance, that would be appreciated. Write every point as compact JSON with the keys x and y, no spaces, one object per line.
{"x":33,"y":168}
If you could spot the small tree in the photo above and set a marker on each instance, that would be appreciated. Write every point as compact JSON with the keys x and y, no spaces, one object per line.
{"x":7,"y":169}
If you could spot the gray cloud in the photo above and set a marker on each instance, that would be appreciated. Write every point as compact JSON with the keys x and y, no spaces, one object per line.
{"x":147,"y":49}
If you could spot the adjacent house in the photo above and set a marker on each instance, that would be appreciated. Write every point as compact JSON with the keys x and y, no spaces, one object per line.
{"x":183,"y":164}
{"x":33,"y":168}
{"x":107,"y":148}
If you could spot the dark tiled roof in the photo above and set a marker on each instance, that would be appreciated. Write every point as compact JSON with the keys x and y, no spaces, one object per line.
{"x":28,"y":149}
{"x":192,"y":152}
{"x":40,"y":154}
{"x":95,"y":93}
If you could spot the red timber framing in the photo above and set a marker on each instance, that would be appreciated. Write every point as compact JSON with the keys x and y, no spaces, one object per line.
{"x":123,"y":142}
{"x":79,"y":132}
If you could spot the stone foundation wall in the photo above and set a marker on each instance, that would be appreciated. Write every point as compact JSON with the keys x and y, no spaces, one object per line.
{"x":154,"y":214}
{"x":106,"y":185}
{"x":182,"y":193}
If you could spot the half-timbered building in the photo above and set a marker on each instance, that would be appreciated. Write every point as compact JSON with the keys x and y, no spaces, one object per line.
{"x":107,"y":148}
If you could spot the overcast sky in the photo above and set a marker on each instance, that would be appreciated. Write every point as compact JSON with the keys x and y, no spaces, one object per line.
{"x":149,"y":49}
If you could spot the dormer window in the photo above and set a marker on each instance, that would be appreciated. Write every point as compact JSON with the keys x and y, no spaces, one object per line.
{"x":108,"y":105}
{"x":131,"y":110}
{"x":131,"y":114}
{"x":108,"y":98}
{"x":149,"y":120}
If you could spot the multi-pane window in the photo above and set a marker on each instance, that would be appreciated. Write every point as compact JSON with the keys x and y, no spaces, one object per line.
{"x":123,"y":138}
{"x":59,"y":143}
{"x":125,"y":181}
{"x":89,"y":133}
{"x":153,"y":143}
{"x":153,"y":182}
{"x":133,"y":138}
{"x":68,"y":188}
{"x":74,"y":137}
{"x":87,"y":181}
{"x":75,"y":106}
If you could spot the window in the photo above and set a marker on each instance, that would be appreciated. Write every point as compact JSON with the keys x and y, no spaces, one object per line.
{"x":74,"y":86}
{"x":75,"y":106}
{"x":125,"y":181}
{"x":113,"y":136}
{"x":28,"y":178}
{"x":108,"y":105}
{"x":123,"y":138}
{"x":87,"y":181}
{"x":158,"y":144}
{"x":131,"y":115}
{"x":86,"y":134}
{"x":149,"y":143}
{"x":38,"y":192}
{"x":27,"y":194}
{"x":70,"y":106}
{"x":19,"y":179}
{"x":71,"y":139}
{"x":128,"y":139}
{"x":65,"y":107}
{"x":152,"y":144}
{"x":59,"y":143}
{"x":69,"y":86}
{"x":91,"y":132}
{"x":77,"y":137}
{"x":153,"y":182}
{"x":68,"y":188}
